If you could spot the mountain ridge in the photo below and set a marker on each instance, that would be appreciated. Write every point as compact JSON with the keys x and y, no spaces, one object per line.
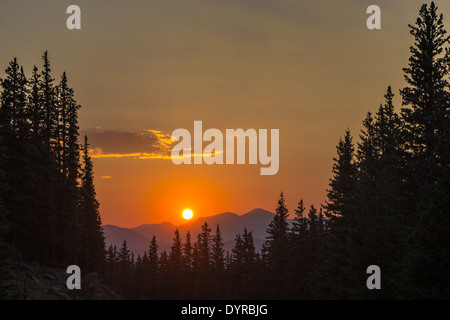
{"x":138,"y":238}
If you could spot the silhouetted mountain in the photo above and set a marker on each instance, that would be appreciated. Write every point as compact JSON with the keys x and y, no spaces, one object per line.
{"x":136,"y":242}
{"x":138,"y":238}
{"x":162,"y":231}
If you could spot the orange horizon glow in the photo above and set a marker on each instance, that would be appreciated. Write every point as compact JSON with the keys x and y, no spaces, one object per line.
{"x":230,"y":64}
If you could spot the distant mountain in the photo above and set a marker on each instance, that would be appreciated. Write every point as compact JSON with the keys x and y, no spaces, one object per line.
{"x":163,"y":232}
{"x":136,"y":242}
{"x":138,"y":239}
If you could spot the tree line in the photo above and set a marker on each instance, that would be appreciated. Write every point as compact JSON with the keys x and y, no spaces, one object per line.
{"x":48,"y":206}
{"x":387,"y":205}
{"x":202,"y":269}
{"x":387,"y":202}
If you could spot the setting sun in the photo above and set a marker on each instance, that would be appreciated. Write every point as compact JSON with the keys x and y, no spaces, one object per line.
{"x":187,"y":214}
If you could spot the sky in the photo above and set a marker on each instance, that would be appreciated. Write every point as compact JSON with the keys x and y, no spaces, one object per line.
{"x":142,"y":69}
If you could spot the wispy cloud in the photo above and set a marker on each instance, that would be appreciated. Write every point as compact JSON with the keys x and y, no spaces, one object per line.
{"x":148,"y":144}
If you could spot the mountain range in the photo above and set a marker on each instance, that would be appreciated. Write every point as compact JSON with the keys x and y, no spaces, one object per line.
{"x":138,"y":238}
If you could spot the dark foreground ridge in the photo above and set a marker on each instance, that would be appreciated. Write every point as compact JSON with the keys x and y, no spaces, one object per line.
{"x":32,"y":280}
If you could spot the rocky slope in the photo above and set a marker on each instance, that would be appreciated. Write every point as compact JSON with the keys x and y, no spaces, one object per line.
{"x":39,"y":281}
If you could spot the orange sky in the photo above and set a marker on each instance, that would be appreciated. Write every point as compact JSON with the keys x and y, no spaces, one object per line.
{"x":141,"y":69}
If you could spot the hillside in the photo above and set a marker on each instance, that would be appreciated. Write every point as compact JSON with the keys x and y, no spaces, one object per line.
{"x":31,"y":280}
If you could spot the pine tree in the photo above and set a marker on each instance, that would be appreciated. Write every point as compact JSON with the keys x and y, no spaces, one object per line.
{"x":249,"y":249}
{"x":217,"y":264}
{"x":299,"y":264}
{"x":175,"y":266}
{"x":202,"y":263}
{"x":300,"y":223}
{"x":427,"y":119}
{"x":244,"y":282}
{"x":19,"y":172}
{"x":217,"y":252}
{"x":48,"y":103}
{"x":187,"y":253}
{"x":342,"y":184}
{"x":67,"y":152}
{"x":277,"y":247}
{"x":93,"y":241}
{"x":427,"y":94}
{"x":138,"y":275}
{"x":151,"y":269}
{"x":124,"y":270}
{"x":204,"y":243}
{"x":45,"y":178}
{"x":14,"y":99}
{"x":111,"y":264}
{"x":367,"y":153}
{"x":163,"y":276}
{"x":175,"y":253}
{"x":36,"y":112}
{"x":340,"y":214}
{"x":253,"y":269}
{"x":380,"y":202}
{"x":39,"y":128}
{"x":187,"y":265}
{"x":236,"y":272}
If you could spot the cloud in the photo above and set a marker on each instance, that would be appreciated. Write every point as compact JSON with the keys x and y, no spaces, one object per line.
{"x":148,"y":144}
{"x":106,"y":177}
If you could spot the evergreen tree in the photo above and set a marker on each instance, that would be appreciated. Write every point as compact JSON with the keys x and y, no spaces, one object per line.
{"x":67,"y":152}
{"x":19,"y":165}
{"x":187,"y":273}
{"x":243,"y":282}
{"x":202,"y":263}
{"x":204,"y":243}
{"x":175,"y":266}
{"x":300,"y":223}
{"x":48,"y":103}
{"x":380,"y":202}
{"x":39,"y":130}
{"x":277,"y":247}
{"x":35,"y":113}
{"x":340,"y":214}
{"x":124,"y":270}
{"x":14,"y":99}
{"x":45,"y":177}
{"x":367,"y":153}
{"x":93,"y":240}
{"x":236,"y":269}
{"x":163,"y":276}
{"x":427,"y":120}
{"x":175,"y":253}
{"x":138,"y":275}
{"x":151,"y":268}
{"x":342,"y":184}
{"x":217,"y":263}
{"x":187,"y":253}
{"x":299,"y":264}
{"x":217,"y":253}
{"x":249,"y":249}
{"x":111,"y":264}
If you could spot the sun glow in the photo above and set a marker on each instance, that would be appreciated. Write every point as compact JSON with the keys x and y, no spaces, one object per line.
{"x":187,"y":214}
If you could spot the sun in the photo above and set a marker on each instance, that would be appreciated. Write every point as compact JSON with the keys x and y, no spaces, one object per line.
{"x":187,"y":214}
